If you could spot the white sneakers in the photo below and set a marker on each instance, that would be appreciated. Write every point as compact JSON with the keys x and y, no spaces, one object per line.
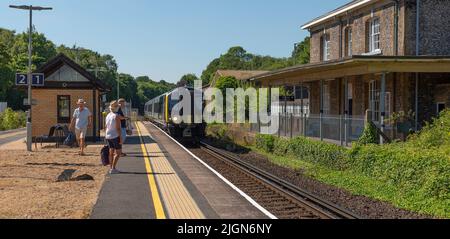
{"x":114,"y":171}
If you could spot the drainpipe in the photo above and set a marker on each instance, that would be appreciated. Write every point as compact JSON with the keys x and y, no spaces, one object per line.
{"x":321,"y":111}
{"x":341,"y":41}
{"x":396,"y":10}
{"x":417,"y":27}
{"x":417,"y":74}
{"x":383,"y":105}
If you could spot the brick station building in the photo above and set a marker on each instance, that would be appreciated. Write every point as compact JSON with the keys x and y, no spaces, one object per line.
{"x":370,"y":56}
{"x":65,"y":83}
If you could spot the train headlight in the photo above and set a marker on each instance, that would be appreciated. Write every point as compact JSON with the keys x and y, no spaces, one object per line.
{"x":175,"y":119}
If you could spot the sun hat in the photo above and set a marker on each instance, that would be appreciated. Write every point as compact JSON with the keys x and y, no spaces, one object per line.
{"x":81,"y":102}
{"x":114,"y":106}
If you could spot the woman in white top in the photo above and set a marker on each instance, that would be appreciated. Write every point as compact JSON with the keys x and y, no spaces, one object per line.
{"x":113,"y":131}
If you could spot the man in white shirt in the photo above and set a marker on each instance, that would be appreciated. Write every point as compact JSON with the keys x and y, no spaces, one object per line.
{"x":81,"y":121}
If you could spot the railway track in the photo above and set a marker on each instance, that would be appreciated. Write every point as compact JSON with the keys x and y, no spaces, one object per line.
{"x":283,"y":199}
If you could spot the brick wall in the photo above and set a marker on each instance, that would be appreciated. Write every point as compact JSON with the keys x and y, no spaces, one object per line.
{"x":384,"y":10}
{"x":45,"y":112}
{"x":434,"y":27}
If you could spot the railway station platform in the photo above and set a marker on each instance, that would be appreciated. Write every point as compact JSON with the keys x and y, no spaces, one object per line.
{"x":161,"y":180}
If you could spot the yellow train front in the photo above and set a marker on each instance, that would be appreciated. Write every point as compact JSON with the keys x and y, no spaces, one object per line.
{"x":159,"y":111}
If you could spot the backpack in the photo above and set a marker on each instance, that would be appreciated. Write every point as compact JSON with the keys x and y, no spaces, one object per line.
{"x":70,"y":140}
{"x":104,"y":153}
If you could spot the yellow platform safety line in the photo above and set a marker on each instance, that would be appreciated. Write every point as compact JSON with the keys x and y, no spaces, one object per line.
{"x":178,"y":201}
{"x":159,"y":210}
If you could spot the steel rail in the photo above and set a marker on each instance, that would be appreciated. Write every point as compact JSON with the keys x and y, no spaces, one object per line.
{"x":325,"y":208}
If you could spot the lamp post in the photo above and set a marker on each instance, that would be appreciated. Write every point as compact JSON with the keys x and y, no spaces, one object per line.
{"x":118,"y":87}
{"x":30,"y":71}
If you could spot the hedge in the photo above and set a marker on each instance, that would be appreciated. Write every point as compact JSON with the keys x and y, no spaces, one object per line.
{"x":10,"y":119}
{"x":422,"y":164}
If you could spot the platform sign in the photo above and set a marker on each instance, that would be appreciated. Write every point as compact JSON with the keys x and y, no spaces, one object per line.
{"x":37,"y":79}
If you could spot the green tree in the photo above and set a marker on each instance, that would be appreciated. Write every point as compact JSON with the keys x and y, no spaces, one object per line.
{"x":43,"y":50}
{"x":301,"y":53}
{"x":148,"y":89}
{"x":208,"y":73}
{"x":128,"y":87}
{"x":187,"y":80}
{"x":237,"y":58}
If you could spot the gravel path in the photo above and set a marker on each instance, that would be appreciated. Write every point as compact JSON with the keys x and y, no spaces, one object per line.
{"x":28,"y":187}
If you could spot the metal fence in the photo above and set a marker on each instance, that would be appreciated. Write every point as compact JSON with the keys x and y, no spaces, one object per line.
{"x":3,"y":106}
{"x":336,"y":129}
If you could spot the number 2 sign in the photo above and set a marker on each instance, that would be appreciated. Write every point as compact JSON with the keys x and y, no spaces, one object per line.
{"x":22,"y":79}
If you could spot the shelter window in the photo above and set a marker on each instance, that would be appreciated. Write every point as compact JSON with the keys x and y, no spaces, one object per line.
{"x":63,"y":110}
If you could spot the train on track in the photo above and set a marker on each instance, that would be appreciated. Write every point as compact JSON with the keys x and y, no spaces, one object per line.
{"x":159,"y":111}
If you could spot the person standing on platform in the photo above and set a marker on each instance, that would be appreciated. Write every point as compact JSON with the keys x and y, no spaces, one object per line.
{"x":81,"y":121}
{"x":123,"y":113}
{"x":113,"y":137}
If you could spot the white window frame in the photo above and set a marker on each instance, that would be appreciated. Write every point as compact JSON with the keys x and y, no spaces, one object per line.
{"x":326,"y":99}
{"x":349,"y":41}
{"x":326,"y":51}
{"x":387,"y":101}
{"x":374,"y":35}
{"x":374,"y":100}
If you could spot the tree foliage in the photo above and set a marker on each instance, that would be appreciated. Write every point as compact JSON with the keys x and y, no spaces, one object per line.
{"x":301,"y":52}
{"x":14,"y":58}
{"x":187,"y":80}
{"x":237,"y":58}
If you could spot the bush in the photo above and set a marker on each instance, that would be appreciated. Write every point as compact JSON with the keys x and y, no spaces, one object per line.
{"x":12,"y":120}
{"x":426,"y":171}
{"x":420,"y":165}
{"x":434,"y":135}
{"x":369,"y":135}
{"x":325,"y":154}
{"x":265,"y":142}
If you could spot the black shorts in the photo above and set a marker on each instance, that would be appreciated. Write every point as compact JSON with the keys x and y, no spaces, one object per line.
{"x":114,"y":143}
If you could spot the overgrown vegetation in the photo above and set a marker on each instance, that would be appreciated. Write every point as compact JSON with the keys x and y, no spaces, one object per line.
{"x":414,"y":175}
{"x":10,"y":119}
{"x":369,"y":135}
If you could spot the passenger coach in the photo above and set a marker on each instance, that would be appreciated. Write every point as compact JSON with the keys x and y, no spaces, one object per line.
{"x":159,"y":111}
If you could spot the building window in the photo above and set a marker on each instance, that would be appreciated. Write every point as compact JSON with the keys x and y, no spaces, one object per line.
{"x":374,"y":35}
{"x":350,"y":99}
{"x":63,"y":110}
{"x":374,"y":100}
{"x":299,"y":92}
{"x":325,"y":49}
{"x":348,"y":41}
{"x":387,"y":108}
{"x":440,"y":107}
{"x":326,"y":99}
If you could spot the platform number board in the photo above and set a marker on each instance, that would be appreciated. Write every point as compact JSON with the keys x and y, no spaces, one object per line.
{"x":37,"y":79}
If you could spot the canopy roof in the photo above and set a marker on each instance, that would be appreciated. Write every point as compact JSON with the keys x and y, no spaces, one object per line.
{"x":359,"y":65}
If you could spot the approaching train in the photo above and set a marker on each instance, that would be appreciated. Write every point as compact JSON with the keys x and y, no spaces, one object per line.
{"x":159,"y":111}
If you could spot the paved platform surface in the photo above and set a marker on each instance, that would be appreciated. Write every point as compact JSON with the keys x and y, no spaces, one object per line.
{"x":11,"y":136}
{"x":161,"y":180}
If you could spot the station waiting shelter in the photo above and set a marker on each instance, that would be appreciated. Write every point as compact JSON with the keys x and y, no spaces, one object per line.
{"x":55,"y":101}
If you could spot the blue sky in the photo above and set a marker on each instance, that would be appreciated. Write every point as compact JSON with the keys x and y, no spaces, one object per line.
{"x":168,"y":38}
